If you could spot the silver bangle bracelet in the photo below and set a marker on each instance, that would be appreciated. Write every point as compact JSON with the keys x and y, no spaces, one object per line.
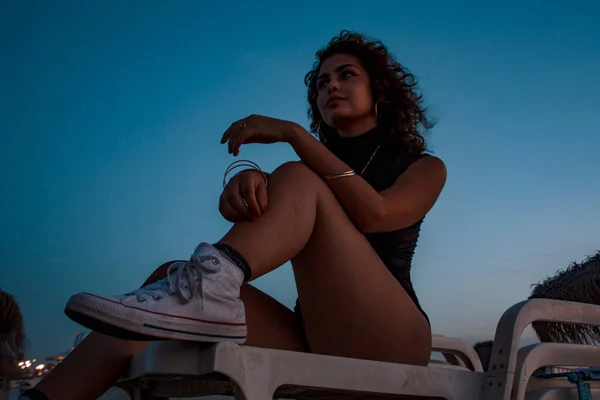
{"x":341,"y":175}
{"x":243,"y":163}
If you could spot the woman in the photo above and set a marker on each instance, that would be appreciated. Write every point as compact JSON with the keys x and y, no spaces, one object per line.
{"x":347,"y":216}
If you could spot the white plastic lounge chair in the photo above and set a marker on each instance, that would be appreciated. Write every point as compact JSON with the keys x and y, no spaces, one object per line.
{"x":510,"y":370}
{"x":181,"y":369}
{"x":456,"y":352}
{"x":558,"y":390}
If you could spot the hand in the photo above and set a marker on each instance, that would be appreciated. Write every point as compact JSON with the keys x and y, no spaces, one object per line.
{"x":257,"y":129}
{"x":250,"y":186}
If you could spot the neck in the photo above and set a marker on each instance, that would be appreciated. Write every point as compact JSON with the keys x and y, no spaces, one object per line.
{"x":357,"y":128}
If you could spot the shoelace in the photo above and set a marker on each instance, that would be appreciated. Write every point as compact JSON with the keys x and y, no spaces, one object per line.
{"x":183,"y":279}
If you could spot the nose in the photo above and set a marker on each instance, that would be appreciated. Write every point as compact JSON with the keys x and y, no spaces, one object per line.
{"x":333,"y":85}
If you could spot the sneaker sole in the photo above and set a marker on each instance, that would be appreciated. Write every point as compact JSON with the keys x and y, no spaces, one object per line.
{"x":114,"y":319}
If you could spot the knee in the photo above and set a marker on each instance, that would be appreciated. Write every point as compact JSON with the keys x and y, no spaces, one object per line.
{"x":296,"y":172}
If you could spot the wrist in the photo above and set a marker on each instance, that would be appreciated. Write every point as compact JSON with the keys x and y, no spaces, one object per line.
{"x":294,"y":133}
{"x":252,"y":170}
{"x":262,"y":174}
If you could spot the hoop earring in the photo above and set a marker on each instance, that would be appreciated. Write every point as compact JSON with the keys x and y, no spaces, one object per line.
{"x":376,"y":113}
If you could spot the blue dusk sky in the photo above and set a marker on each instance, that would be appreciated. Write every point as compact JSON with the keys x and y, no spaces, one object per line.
{"x":112,"y":111}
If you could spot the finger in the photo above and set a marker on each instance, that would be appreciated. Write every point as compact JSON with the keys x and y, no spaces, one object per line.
{"x":235,"y":128}
{"x":229,"y":213}
{"x":235,"y":138}
{"x":238,"y":125}
{"x":225,"y":136}
{"x":231,"y":138}
{"x":261,"y":197}
{"x":240,"y":139}
{"x":234,"y":143}
{"x":244,"y":132}
{"x":237,"y":202}
{"x":225,"y":208}
{"x":232,"y":196}
{"x":249,"y":194}
{"x":227,"y":133}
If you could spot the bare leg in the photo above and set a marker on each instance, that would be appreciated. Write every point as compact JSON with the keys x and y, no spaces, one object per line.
{"x":71,"y":379}
{"x":281,"y":233}
{"x":270,"y":324}
{"x":337,"y":273}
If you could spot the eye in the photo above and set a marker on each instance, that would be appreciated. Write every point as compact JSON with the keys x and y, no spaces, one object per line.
{"x":347,"y":73}
{"x":321,"y":84}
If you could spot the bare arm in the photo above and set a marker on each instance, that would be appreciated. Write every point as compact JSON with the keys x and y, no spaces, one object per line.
{"x":413,"y":194}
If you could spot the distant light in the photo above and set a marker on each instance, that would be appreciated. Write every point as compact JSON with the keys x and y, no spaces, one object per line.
{"x":21,"y":364}
{"x":40,"y":367}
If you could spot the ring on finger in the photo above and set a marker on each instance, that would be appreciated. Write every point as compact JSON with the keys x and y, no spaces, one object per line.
{"x":243,"y":125}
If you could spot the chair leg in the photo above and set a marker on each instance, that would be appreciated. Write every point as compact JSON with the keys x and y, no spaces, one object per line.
{"x":251,"y":391}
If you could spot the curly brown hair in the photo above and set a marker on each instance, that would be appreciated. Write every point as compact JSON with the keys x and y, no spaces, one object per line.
{"x":401,"y":112}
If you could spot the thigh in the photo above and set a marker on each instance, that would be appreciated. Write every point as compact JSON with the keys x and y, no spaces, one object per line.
{"x":351,"y":304}
{"x":270,"y":324}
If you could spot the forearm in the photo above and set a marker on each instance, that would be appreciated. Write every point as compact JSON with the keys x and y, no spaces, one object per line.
{"x":359,"y":199}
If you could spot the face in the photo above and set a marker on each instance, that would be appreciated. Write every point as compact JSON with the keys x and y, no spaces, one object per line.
{"x":344,"y":94}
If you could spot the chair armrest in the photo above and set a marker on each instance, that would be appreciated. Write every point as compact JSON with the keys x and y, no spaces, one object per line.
{"x":500,"y":376}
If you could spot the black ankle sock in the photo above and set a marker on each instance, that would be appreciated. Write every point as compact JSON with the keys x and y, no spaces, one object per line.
{"x":236,"y":257}
{"x":34,"y":394}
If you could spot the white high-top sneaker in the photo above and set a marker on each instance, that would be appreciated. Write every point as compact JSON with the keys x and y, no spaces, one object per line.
{"x":199,"y":300}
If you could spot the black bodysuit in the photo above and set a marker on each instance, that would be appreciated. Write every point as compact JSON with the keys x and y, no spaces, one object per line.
{"x":395,"y":248}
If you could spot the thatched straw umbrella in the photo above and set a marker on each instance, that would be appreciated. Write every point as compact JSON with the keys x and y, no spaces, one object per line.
{"x":579,"y":282}
{"x":12,"y":336}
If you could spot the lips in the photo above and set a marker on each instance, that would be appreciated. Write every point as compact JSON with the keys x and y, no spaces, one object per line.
{"x":334,"y":98}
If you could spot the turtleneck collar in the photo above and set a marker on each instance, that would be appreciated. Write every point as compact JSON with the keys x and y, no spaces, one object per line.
{"x":373,"y":136}
{"x":356,"y":150}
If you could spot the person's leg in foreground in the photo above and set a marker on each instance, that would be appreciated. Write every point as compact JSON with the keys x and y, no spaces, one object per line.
{"x":337,"y":274}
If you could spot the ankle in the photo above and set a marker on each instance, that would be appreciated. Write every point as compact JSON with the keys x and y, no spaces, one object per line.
{"x":236,"y":258}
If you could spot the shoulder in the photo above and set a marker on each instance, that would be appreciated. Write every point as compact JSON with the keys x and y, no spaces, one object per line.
{"x":429,"y":162}
{"x":425,"y":165}
{"x":421,"y":161}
